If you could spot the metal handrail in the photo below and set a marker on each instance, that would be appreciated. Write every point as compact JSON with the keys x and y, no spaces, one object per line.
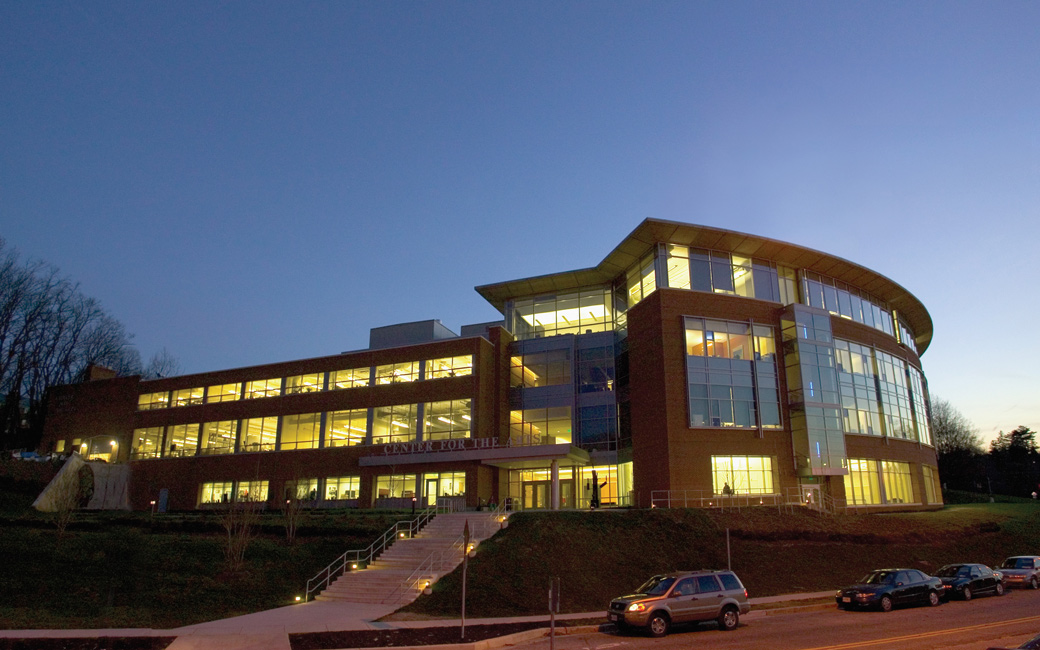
{"x":436,"y":561}
{"x":367,"y":555}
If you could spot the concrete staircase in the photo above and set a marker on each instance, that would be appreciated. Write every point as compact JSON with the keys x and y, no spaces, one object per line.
{"x":384,"y":580}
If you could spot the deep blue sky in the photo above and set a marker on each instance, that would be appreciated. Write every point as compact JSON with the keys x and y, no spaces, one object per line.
{"x":250,"y":182}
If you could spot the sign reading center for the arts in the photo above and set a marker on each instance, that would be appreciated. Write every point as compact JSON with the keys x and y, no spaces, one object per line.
{"x":434,"y":446}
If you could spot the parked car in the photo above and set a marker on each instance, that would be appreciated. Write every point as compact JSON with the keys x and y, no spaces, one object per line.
{"x":1031,"y":644}
{"x":968,"y":580}
{"x":1021,"y":571}
{"x":886,"y":588}
{"x":687,"y":596}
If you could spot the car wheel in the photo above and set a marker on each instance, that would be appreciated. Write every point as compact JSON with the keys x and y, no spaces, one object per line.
{"x":966,"y":593}
{"x":1000,"y":588}
{"x":658,"y":625}
{"x":933,"y":598}
{"x":886,"y":603}
{"x":1033,"y":584}
{"x":729,"y":619}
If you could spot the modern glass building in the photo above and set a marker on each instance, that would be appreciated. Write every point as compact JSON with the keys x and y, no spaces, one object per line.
{"x":692,"y":366}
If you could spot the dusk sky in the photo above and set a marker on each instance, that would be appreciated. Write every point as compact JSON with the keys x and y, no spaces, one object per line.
{"x":251,"y":182}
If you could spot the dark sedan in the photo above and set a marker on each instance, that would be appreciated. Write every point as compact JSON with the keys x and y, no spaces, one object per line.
{"x":965,"y":581}
{"x":887,"y":588}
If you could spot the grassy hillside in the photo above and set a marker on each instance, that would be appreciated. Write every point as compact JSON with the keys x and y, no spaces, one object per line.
{"x":603,"y":554}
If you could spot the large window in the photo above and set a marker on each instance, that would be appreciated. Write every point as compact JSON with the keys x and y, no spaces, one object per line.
{"x":350,"y":378}
{"x":861,"y":411}
{"x":924,"y":431}
{"x":342,"y":487}
{"x":727,"y":365}
{"x":862,"y":483}
{"x":898,"y":486}
{"x":252,"y":491}
{"x":223,"y":393}
{"x":932,"y":489}
{"x":219,"y":437}
{"x":443,"y":484}
{"x":395,"y":486}
{"x":546,"y":368}
{"x":300,"y":431}
{"x":182,"y":440}
{"x":895,"y":398}
{"x":597,"y":427}
{"x":579,"y":312}
{"x":219,"y":492}
{"x":448,"y":419}
{"x":304,"y":489}
{"x":596,"y":369}
{"x":396,"y":373}
{"x":149,"y":401}
{"x":545,"y":426}
{"x":346,"y":428}
{"x":846,"y":301}
{"x":449,"y":367}
{"x":311,"y":383}
{"x":263,"y":388}
{"x":720,"y":272}
{"x":742,"y":474}
{"x":147,"y":443}
{"x":397,"y":423}
{"x":641,"y":280}
{"x":259,"y":434}
{"x":188,"y":396}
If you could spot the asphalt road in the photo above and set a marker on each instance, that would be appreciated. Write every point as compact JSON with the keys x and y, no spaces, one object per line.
{"x":976,"y":625}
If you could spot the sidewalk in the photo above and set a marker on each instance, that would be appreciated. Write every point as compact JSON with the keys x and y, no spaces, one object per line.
{"x":270,"y":630}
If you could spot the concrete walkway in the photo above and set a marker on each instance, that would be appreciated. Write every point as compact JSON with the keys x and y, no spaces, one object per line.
{"x":270,"y":630}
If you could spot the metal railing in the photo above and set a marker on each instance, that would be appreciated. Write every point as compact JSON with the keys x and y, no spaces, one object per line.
{"x":447,"y":559}
{"x":789,"y":499}
{"x":366,"y":555}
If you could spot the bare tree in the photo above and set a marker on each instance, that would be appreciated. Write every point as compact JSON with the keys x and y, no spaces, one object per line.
{"x":239,"y":519}
{"x":297,"y":495}
{"x":162,"y":364}
{"x":959,"y":447}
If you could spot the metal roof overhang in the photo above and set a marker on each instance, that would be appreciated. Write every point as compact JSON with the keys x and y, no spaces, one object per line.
{"x":536,"y":456}
{"x":652,"y":231}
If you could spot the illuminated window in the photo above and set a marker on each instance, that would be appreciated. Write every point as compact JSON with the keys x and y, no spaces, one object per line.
{"x":444,"y":420}
{"x":304,"y":383}
{"x":896,"y":412}
{"x":862,"y":483}
{"x":219,"y":492}
{"x":150,"y":401}
{"x":846,"y":301}
{"x":259,"y":434}
{"x":932,"y":489}
{"x":147,"y":443}
{"x":443,"y":484}
{"x":263,"y":388}
{"x":342,"y":487}
{"x":252,"y":491}
{"x":188,"y":396}
{"x":218,"y":437}
{"x":396,"y":373}
{"x":182,"y":440}
{"x":547,"y":368}
{"x":346,"y":428}
{"x":579,"y":312}
{"x":59,"y":446}
{"x":304,"y":489}
{"x":352,"y":378}
{"x":223,"y":393}
{"x":861,"y":411}
{"x":395,"y":486}
{"x":924,"y":431}
{"x":641,"y":281}
{"x":449,"y":367}
{"x":742,"y":474}
{"x":397,"y":423}
{"x":898,"y":486}
{"x":678,"y":267}
{"x":300,"y":431}
{"x":609,"y":494}
{"x":547,"y":426}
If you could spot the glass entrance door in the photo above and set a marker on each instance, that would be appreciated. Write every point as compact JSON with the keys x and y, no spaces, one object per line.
{"x":431,"y":492}
{"x":536,"y":495}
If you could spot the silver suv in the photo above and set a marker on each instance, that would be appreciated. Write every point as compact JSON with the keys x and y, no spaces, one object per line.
{"x":682,"y":597}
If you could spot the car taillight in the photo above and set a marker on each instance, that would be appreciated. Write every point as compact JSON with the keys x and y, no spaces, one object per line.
{"x":745,"y":592}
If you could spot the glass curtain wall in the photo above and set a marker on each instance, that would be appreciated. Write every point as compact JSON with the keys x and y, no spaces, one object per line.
{"x":579,"y":312}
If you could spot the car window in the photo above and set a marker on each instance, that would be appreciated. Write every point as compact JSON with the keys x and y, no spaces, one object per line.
{"x":730,"y":582}
{"x":880,"y":578}
{"x":975,"y":573}
{"x":905,"y":578}
{"x":686,"y":587}
{"x":949,"y":571}
{"x":706,"y":584}
{"x":656,"y":586}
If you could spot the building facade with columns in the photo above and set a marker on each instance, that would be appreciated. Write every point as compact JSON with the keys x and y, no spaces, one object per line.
{"x":692,"y":366}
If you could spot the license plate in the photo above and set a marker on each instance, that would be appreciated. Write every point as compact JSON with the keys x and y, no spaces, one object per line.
{"x":613,"y":617}
{"x":846,"y":599}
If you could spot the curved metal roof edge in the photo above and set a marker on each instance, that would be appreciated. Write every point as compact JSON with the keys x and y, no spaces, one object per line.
{"x":652,"y":231}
